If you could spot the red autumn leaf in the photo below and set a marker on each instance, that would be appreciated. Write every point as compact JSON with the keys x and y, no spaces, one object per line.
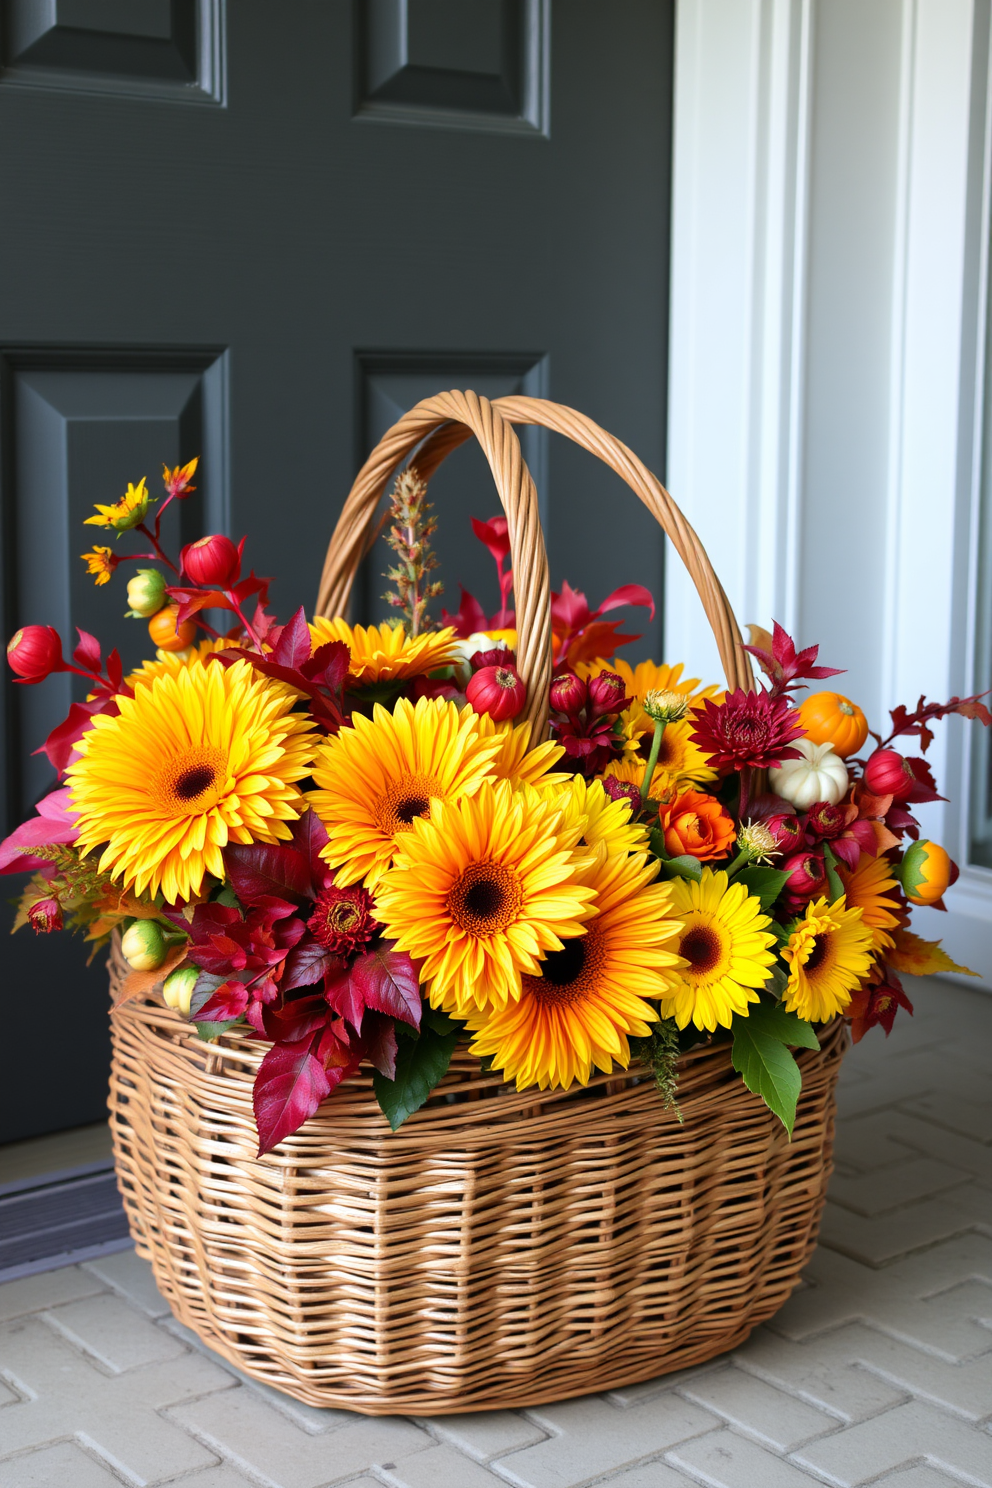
{"x":344,"y":995}
{"x":289,"y":1087}
{"x":308,"y":963}
{"x":61,"y":742}
{"x":309,"y":836}
{"x":294,"y":644}
{"x":785,"y":667}
{"x":88,"y":653}
{"x":328,"y":665}
{"x":379,"y":1045}
{"x":469,"y":618}
{"x":295,"y":1020}
{"x":388,"y":983}
{"x":628,"y":594}
{"x":495,"y":535}
{"x":227,"y":1003}
{"x":54,"y":823}
{"x":257,"y":871}
{"x":115,"y":671}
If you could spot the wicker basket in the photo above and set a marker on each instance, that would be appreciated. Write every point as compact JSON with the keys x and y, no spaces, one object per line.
{"x":501,"y":1249}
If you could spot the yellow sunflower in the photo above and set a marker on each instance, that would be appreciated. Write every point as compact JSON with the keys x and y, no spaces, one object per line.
{"x":384,"y":653}
{"x":590,"y":996}
{"x":594,"y":819}
{"x":480,"y":892}
{"x":379,"y":774}
{"x":515,"y":761}
{"x":651,"y":676}
{"x":829,"y":952}
{"x":208,"y":756}
{"x":125,"y":513}
{"x":726,"y":947}
{"x":865,"y":889}
{"x":171,"y":663}
{"x":679,"y":756}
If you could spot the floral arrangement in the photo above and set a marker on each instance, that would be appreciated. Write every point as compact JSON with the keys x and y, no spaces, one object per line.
{"x":341,"y":841}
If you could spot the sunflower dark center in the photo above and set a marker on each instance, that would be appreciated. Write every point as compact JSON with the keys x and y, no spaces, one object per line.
{"x":484,"y":898}
{"x":193,"y":782}
{"x":412,"y":806}
{"x":564,"y":966}
{"x":817,"y":954}
{"x":701,"y":948}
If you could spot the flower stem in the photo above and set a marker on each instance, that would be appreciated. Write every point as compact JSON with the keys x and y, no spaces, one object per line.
{"x":745,"y":793}
{"x":162,"y":555}
{"x":659,"y":734}
{"x":741,"y":861}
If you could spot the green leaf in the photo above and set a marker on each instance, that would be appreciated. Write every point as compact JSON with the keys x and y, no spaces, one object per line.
{"x":656,"y":842}
{"x":778,"y":980}
{"x":439,"y":1021}
{"x":210,"y":1031}
{"x":764,"y":883}
{"x":764,"y":1063}
{"x":683,"y":867}
{"x":419,"y":1067}
{"x":833,"y":877}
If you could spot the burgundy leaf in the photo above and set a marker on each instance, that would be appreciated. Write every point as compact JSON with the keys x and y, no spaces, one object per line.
{"x":570,"y":609}
{"x":468,"y":618}
{"x":227,"y":1003}
{"x":379,"y":1044}
{"x":847,"y":850}
{"x":309,"y":836}
{"x":290,"y":1085}
{"x":88,"y":653}
{"x":294,"y":643}
{"x":115,"y":670}
{"x":387,"y":982}
{"x":309,"y":963}
{"x":295,"y":1020}
{"x":329,"y":665}
{"x":344,"y":995}
{"x":257,"y":871}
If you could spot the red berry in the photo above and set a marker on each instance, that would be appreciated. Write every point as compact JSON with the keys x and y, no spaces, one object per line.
{"x":498,"y":691}
{"x":807,"y":875}
{"x":889,"y":773}
{"x":607,"y":693}
{"x":212,"y":563}
{"x":35,"y":652}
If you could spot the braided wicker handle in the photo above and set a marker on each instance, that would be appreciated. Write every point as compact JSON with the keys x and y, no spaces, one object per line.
{"x":449,"y":420}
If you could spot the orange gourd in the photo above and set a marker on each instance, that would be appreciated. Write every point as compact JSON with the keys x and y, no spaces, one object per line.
{"x":162,"y":629}
{"x":830,"y":718}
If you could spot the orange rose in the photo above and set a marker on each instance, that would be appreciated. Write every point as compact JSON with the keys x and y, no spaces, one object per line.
{"x":697,"y":825}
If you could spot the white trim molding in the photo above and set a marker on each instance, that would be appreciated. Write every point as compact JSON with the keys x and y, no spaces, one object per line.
{"x":827,"y":419}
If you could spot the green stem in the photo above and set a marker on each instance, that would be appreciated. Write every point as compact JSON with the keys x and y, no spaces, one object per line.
{"x":659,"y":734}
{"x":742,"y":858}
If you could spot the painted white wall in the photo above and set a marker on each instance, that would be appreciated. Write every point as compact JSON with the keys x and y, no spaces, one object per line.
{"x":830,"y":223}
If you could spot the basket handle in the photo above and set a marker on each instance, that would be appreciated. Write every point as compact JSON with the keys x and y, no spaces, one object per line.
{"x":613,"y":452}
{"x":469,"y":414}
{"x":450,"y":430}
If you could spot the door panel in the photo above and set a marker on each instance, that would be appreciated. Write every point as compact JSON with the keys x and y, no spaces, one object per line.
{"x":260,"y":246}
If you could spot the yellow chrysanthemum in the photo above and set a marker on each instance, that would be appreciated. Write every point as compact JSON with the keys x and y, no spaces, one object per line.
{"x":829,"y":952}
{"x":480,"y":891}
{"x":594,"y":819}
{"x":385,"y":653}
{"x":866,"y":889}
{"x":100,"y":562}
{"x":193,"y":761}
{"x":377,"y":776}
{"x":125,"y":513}
{"x":171,"y":663}
{"x":726,"y":947}
{"x":516,"y":762}
{"x":590,"y":996}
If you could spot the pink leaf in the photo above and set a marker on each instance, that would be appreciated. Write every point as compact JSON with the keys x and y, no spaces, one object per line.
{"x":61,"y":742}
{"x":388,"y":982}
{"x":290,"y":1085}
{"x":628,"y":594}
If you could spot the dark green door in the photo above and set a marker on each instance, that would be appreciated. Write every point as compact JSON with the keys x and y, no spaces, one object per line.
{"x":258,"y":231}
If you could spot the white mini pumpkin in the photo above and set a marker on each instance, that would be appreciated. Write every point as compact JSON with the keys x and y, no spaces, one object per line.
{"x":820,"y":775}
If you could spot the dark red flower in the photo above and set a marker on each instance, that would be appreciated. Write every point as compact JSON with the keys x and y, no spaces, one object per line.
{"x":343,"y":920}
{"x":499,"y":656}
{"x":607,"y":694}
{"x":748,"y":730}
{"x":498,"y":691}
{"x":889,"y":773}
{"x":44,"y":916}
{"x":212,"y":562}
{"x":807,"y":878}
{"x":35,"y":652}
{"x":787,"y":829}
{"x":622,"y":790}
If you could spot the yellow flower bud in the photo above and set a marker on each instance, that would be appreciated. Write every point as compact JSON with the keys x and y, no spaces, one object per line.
{"x":143,"y":946}
{"x":146,"y":592}
{"x":177,"y":989}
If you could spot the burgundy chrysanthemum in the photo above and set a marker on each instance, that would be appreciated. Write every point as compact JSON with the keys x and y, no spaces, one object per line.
{"x":622,"y":790}
{"x":343,"y":921}
{"x":749,"y":730}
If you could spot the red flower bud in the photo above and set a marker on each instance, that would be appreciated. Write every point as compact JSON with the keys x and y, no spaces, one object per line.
{"x":212,"y":563}
{"x":498,"y":691}
{"x":499,"y":656}
{"x":787,"y":830}
{"x":889,"y":773}
{"x":607,"y":693}
{"x":825,"y":820}
{"x":44,"y":916}
{"x":807,"y":876}
{"x":568,"y":694}
{"x":35,"y":652}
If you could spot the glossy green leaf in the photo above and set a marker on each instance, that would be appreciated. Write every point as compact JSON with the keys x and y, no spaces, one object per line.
{"x":420,"y":1064}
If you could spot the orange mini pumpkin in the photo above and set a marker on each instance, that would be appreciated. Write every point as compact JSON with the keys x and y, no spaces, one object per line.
{"x":830,"y":718}
{"x":162,"y":629}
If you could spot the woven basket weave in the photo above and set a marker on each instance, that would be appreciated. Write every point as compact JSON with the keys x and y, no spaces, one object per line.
{"x":501,"y":1249}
